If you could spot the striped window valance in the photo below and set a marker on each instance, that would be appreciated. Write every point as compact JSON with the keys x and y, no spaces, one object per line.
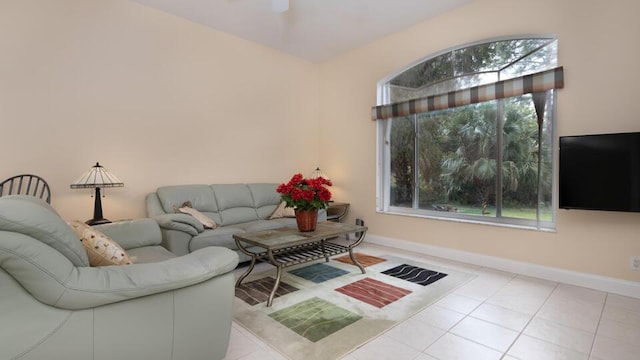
{"x":532,"y":83}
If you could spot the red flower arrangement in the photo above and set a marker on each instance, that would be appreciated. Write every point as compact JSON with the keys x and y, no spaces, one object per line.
{"x":305,"y":194}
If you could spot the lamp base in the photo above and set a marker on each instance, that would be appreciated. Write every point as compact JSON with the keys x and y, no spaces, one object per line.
{"x":97,"y":212}
{"x":97,"y":222}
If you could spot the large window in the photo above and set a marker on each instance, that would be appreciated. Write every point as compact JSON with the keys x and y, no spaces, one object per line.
{"x":477,"y":160}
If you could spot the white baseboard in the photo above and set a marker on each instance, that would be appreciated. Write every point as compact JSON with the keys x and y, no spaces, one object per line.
{"x":597,"y":282}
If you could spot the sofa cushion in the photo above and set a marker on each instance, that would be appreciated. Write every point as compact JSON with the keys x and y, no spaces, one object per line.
{"x":235,"y":203}
{"x":286,"y":221}
{"x":201,"y":196}
{"x":150,"y":254}
{"x":223,"y":236}
{"x":33,"y":217}
{"x":102,"y":251}
{"x":265,"y":198}
{"x":132,"y":234}
{"x":259,"y":225}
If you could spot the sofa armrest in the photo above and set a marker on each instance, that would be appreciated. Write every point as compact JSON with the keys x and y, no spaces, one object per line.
{"x":133,"y":233}
{"x":180,"y":222}
{"x":88,"y":287}
{"x":52,"y":279}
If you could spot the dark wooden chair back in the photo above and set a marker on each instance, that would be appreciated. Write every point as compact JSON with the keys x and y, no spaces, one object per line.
{"x":26,"y":184}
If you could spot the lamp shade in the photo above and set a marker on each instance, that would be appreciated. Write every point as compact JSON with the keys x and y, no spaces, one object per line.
{"x":318,"y":173}
{"x":97,"y":177}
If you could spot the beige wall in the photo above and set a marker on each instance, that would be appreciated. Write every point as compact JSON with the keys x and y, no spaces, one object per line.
{"x":598,"y":48}
{"x":160,"y":100}
{"x":156,"y":99}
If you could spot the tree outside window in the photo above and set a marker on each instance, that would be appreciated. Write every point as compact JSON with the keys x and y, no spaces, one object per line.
{"x":475,"y":162}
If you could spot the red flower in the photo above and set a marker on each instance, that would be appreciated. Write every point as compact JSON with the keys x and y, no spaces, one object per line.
{"x":324,"y":194}
{"x":308,"y":194}
{"x":305,"y":194}
{"x":295,"y":180}
{"x":284,"y":188}
{"x":297,"y":194}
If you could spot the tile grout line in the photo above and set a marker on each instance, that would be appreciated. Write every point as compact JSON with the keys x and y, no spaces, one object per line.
{"x":529,"y":322}
{"x":482,"y":302}
{"x":595,"y":334}
{"x":447,"y":331}
{"x":433,"y":304}
{"x":555,"y":344}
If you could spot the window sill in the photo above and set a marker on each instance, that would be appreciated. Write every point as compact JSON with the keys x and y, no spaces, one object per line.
{"x":508,"y":223}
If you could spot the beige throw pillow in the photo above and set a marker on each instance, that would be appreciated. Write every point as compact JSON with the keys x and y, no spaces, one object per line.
{"x":206,"y":221}
{"x":102,"y":250}
{"x":282,"y":211}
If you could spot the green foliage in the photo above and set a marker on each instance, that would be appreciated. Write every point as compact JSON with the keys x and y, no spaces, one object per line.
{"x":402,"y":160}
{"x":488,"y":57}
{"x":457,"y":155}
{"x":457,"y":149}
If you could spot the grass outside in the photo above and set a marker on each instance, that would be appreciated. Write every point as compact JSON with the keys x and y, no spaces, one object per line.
{"x":517,"y":213}
{"x":528,"y":213}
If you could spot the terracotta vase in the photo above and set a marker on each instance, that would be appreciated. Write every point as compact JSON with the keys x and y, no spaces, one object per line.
{"x":307,"y":220}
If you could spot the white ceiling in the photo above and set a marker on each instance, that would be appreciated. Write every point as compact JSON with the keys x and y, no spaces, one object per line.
{"x":315,"y":30}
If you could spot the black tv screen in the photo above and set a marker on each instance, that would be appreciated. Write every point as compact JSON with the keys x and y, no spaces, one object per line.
{"x":600,"y":172}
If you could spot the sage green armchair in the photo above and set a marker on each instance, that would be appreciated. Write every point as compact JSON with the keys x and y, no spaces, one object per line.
{"x":53,"y":305}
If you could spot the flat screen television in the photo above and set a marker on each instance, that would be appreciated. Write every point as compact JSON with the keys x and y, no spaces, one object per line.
{"x":600,"y":172}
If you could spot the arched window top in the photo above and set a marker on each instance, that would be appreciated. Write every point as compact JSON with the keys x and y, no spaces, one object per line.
{"x":467,"y":134}
{"x":472,"y":65}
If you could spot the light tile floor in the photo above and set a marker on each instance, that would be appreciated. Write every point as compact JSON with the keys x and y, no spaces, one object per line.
{"x":498,"y":315}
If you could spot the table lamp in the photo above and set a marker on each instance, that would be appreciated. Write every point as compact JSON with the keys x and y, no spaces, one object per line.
{"x":97,"y":177}
{"x":318,"y":173}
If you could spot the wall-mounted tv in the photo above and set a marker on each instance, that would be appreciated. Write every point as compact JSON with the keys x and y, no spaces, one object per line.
{"x":600,"y":172}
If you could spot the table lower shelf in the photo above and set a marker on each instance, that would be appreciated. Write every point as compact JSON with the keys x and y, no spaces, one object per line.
{"x":305,"y":253}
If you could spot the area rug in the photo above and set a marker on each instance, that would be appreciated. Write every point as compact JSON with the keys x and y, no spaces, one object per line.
{"x":326,"y":310}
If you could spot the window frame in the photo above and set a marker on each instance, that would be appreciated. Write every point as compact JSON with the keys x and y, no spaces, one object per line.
{"x":383,"y":158}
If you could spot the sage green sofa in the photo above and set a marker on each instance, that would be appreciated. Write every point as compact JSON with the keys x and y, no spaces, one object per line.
{"x":53,"y":305}
{"x":235,"y":208}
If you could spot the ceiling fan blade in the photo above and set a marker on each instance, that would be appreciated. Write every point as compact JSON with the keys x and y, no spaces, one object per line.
{"x":279,"y":6}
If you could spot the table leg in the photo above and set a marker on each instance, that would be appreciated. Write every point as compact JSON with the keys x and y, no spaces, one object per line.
{"x":275,"y":286}
{"x":356,"y":243}
{"x":246,"y":273}
{"x":254,"y":257}
{"x":353,"y":259}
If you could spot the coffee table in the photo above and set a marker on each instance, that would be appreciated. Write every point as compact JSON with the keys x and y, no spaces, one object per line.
{"x":286,"y":247}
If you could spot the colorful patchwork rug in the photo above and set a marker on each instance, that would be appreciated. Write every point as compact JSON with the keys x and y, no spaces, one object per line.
{"x":326,"y":310}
